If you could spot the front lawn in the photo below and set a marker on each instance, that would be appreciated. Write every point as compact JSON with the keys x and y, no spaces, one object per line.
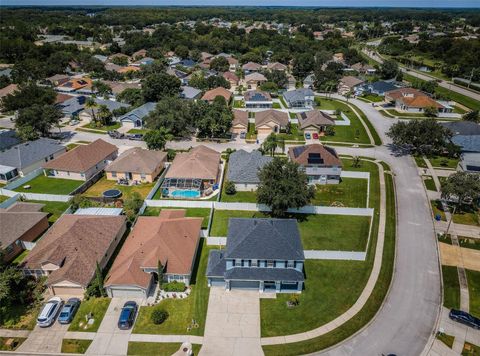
{"x":373,"y":97}
{"x":20,"y":316}
{"x":103,"y":184}
{"x":276,"y":105}
{"x":203,"y":213}
{"x":54,"y":208}
{"x":469,"y":242}
{"x":473,"y":278}
{"x":138,"y":131}
{"x":470,"y":349}
{"x":468,"y":216}
{"x":420,"y":161}
{"x":97,"y":307}
{"x":75,"y":346}
{"x":157,"y":348}
{"x":444,"y":162}
{"x":181,"y":311}
{"x":17,"y":341}
{"x":3,"y":198}
{"x":350,"y":192}
{"x":50,"y":185}
{"x":294,"y":135}
{"x":446,"y":339}
{"x":113,"y":126}
{"x":451,"y":287}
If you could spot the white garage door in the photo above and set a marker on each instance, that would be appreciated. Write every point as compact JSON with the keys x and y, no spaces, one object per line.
{"x":217,"y":282}
{"x":127,"y":293}
{"x":68,"y":291}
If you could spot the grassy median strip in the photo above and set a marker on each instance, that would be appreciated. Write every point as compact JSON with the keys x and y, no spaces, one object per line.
{"x":474,"y":291}
{"x":75,"y":346}
{"x":157,"y":348}
{"x":451,"y":287}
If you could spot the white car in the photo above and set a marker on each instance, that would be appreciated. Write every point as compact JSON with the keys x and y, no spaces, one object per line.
{"x":49,"y":312}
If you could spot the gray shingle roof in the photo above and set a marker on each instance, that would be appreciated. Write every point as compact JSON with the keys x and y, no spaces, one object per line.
{"x":463,"y":127}
{"x":243,"y":166}
{"x":139,"y":113}
{"x":297,"y":94}
{"x":216,"y":263}
{"x":189,"y":92}
{"x":77,"y":104}
{"x":28,"y":153}
{"x":264,"y":239}
{"x":262,"y":274}
{"x":468,"y":143}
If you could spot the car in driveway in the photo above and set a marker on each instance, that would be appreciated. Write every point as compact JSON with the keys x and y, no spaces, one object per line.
{"x":49,"y":312}
{"x":464,"y":318}
{"x":68,"y":311}
{"x":127,"y":315}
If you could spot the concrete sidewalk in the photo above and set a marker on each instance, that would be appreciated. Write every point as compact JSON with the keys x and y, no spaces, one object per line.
{"x":460,"y":229}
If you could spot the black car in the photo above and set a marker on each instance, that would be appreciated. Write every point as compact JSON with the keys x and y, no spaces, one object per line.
{"x":68,"y":311}
{"x":464,"y":318}
{"x":127,"y":315}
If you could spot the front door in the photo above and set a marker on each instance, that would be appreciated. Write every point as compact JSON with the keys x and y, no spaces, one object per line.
{"x":129,"y":175}
{"x":269,"y":286}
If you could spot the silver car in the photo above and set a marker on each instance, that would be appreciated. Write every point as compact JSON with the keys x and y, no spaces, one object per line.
{"x":49,"y":312}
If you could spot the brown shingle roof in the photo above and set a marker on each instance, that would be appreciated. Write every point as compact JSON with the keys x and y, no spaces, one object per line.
{"x":300,"y":154}
{"x":252,"y":66}
{"x":210,"y":95}
{"x":422,"y":101}
{"x":9,"y":89}
{"x":255,"y":77}
{"x":201,"y":162}
{"x":401,"y":92}
{"x":83,"y":157}
{"x":240,"y":117}
{"x":231,"y":77}
{"x":263,"y":117}
{"x":350,"y":81}
{"x":314,"y":118}
{"x":137,"y":160}
{"x":171,"y":238}
{"x":75,"y":243}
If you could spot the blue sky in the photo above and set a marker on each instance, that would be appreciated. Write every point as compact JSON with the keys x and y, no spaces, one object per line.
{"x":325,"y":3}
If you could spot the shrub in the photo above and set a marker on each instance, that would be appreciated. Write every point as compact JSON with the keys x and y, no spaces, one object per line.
{"x":171,"y":154}
{"x":174,"y":286}
{"x":159,"y":316}
{"x":330,"y":131}
{"x":230,"y":188}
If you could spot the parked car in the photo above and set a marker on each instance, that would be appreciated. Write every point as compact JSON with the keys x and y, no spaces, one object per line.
{"x":68,"y":311}
{"x":49,"y":312}
{"x":135,"y":137}
{"x":308,"y":136}
{"x":464,"y":318}
{"x":115,"y":134}
{"x":315,"y":136}
{"x":127,"y":315}
{"x":74,"y":122}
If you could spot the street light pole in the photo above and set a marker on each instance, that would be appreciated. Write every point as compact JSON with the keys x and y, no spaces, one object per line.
{"x":451,"y":218}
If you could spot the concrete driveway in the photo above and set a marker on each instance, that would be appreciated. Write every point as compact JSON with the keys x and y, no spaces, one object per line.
{"x":44,"y":340}
{"x":109,"y":339}
{"x":233,"y":323}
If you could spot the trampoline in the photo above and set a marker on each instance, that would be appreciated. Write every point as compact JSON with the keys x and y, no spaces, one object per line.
{"x":112,"y":193}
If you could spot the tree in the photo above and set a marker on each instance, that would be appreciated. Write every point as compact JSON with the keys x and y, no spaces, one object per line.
{"x":230,"y":187}
{"x":389,"y":69}
{"x":27,"y":133}
{"x":158,"y":315}
{"x":271,"y":143}
{"x":120,"y":60}
{"x":471,"y":116}
{"x":431,"y":111}
{"x":212,"y":120}
{"x":38,"y":118}
{"x":270,"y":87}
{"x":174,"y":115}
{"x":181,"y":51}
{"x":160,"y":273}
{"x":99,"y":277}
{"x":102,"y":88}
{"x":220,"y":64}
{"x":160,"y":85}
{"x":421,"y":136}
{"x":28,"y":95}
{"x":283,"y":185}
{"x":131,"y":96}
{"x":303,"y":64}
{"x":157,"y":139}
{"x":461,"y":187}
{"x":132,"y":205}
{"x":92,"y":105}
{"x":104,"y":115}
{"x":278,"y":77}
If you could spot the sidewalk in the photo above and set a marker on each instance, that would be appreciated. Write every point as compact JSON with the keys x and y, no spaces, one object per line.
{"x":460,"y":229}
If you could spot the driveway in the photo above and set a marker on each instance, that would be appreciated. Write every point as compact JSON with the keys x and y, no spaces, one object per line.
{"x":109,"y":339}
{"x":233,"y":323}
{"x":43,"y":340}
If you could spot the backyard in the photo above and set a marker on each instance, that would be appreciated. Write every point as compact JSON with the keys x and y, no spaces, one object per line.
{"x":350,"y":192}
{"x":181,"y":311}
{"x":103,"y":184}
{"x":50,"y":185}
{"x":54,"y":208}
{"x":97,"y":307}
{"x":190,"y":212}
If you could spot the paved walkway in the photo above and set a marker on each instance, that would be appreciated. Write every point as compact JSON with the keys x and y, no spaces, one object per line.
{"x":452,"y":255}
{"x":433,"y":173}
{"x":460,"y":229}
{"x":44,"y":339}
{"x":233,"y":323}
{"x":372,"y":280}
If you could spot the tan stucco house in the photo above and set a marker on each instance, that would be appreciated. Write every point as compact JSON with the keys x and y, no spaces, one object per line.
{"x":270,"y":121}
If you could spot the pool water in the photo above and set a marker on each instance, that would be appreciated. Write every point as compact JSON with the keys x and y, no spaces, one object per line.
{"x":185,"y":194}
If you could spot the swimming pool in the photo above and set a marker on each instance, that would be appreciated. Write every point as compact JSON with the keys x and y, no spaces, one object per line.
{"x":185,"y":194}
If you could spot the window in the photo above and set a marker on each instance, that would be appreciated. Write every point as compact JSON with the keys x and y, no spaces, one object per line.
{"x":46,"y":159}
{"x":270,"y":263}
{"x":51,"y":156}
{"x":68,"y":173}
{"x":238,"y":262}
{"x":114,"y":174}
{"x":143,"y":176}
{"x":254,"y":263}
{"x":290,"y":264}
{"x":9,"y":249}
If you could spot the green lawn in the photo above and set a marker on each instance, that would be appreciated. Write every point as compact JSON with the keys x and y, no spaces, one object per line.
{"x":93,"y":126}
{"x":394,"y":112}
{"x":443,"y":162}
{"x":75,"y":346}
{"x":157,"y":348}
{"x":470,"y":349}
{"x":376,"y":138}
{"x":243,"y":197}
{"x":276,"y":106}
{"x":219,"y":226}
{"x":420,"y":161}
{"x":458,"y":110}
{"x":238,"y":104}
{"x":438,"y":209}
{"x":181,"y":311}
{"x":294,"y":135}
{"x":373,"y":97}
{"x":446,"y":339}
{"x":17,"y":341}
{"x":429,"y":183}
{"x":451,"y":287}
{"x":282,"y":99}
{"x":20,"y":316}
{"x":474,"y":291}
{"x":50,"y":185}
{"x":467,"y":217}
{"x":191,"y":212}
{"x":103,"y":184}
{"x":20,"y":258}
{"x":445,"y":238}
{"x":138,"y":131}
{"x":54,"y":208}
{"x":71,"y":146}
{"x":468,"y":242}
{"x":350,"y":192}
{"x":97,"y":307}
{"x":3,"y":198}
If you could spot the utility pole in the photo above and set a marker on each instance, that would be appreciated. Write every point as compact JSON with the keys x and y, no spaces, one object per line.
{"x":451,"y":218}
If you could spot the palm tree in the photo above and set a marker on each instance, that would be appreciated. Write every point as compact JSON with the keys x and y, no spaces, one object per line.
{"x":272,"y":142}
{"x":104,"y":115}
{"x":92,"y":105}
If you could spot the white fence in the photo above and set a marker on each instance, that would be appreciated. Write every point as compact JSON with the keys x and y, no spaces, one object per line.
{"x":335,"y":255}
{"x":7,"y":193}
{"x":21,"y":181}
{"x":166,"y":203}
{"x":46,"y":197}
{"x":344,"y":122}
{"x":353,"y":174}
{"x":330,"y":210}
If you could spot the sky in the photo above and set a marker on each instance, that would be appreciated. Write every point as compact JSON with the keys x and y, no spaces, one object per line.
{"x":319,"y":3}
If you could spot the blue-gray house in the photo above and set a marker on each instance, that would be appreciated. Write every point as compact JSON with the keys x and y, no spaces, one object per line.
{"x":136,"y":117}
{"x":261,"y":254}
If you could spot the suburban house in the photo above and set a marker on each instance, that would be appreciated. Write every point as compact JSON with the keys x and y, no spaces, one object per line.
{"x":136,"y":117}
{"x":192,"y":174}
{"x":232,"y":78}
{"x":270,"y":121}
{"x":363,"y":68}
{"x":73,"y":106}
{"x":57,"y":79}
{"x":256,"y":99}
{"x":378,"y":88}
{"x":466,"y":134}
{"x":170,"y":238}
{"x":239,"y":122}
{"x":189,"y":93}
{"x":254,"y":80}
{"x":233,"y":63}
{"x":413,"y":100}
{"x":137,"y":165}
{"x":21,"y":224}
{"x":82,"y":162}
{"x":74,"y":85}
{"x":309,"y":81}
{"x":9,"y":89}
{"x":320,"y":163}
{"x":261,"y":254}
{"x":251,"y":67}
{"x":111,"y":105}
{"x":348,"y":84}
{"x":70,"y":250}
{"x":210,"y":95}
{"x":314,"y":121}
{"x":277,"y":66}
{"x":469,"y":162}
{"x":300,"y":98}
{"x":243,"y":169}
{"x":26,"y":157}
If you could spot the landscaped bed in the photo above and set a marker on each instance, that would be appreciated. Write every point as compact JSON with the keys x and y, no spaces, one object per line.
{"x":93,"y":126}
{"x":15,"y":342}
{"x":50,"y":185}
{"x":451,"y":287}
{"x":350,"y":192}
{"x":468,"y":242}
{"x":181,"y":311}
{"x":157,"y":348}
{"x":75,"y":346}
{"x":190,"y":212}
{"x":103,"y":184}
{"x":97,"y":307}
{"x":470,"y":349}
